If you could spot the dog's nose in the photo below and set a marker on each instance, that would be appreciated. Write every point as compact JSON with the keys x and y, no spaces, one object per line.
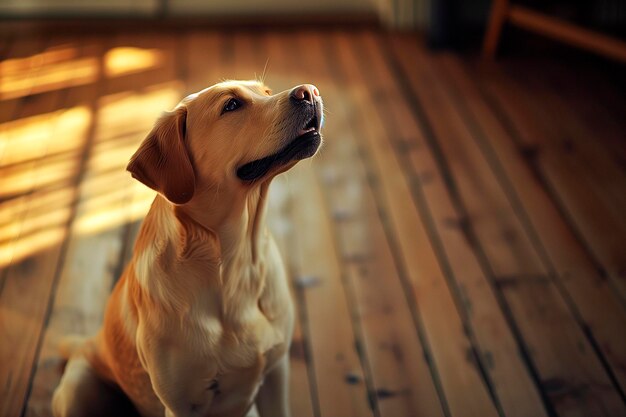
{"x":304,"y":92}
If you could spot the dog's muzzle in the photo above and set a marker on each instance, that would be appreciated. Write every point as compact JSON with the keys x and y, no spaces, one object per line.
{"x":307,"y":103}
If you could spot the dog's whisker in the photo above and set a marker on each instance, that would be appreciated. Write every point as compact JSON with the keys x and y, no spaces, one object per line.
{"x":267,"y":61}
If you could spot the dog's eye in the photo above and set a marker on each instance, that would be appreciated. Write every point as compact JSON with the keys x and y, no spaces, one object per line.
{"x":232,"y":104}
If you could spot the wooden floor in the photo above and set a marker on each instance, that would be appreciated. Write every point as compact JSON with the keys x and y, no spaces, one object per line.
{"x":458,"y":247}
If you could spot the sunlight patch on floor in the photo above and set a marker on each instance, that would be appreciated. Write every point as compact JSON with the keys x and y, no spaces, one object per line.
{"x":29,"y":138}
{"x":48,"y":213}
{"x":48,"y":77}
{"x":127,"y":60}
{"x":63,"y":67}
{"x":41,"y":159}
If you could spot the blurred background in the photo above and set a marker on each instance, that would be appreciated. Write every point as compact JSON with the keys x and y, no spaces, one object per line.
{"x":457,"y":248}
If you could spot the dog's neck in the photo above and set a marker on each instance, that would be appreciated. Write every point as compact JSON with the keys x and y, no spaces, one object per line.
{"x":242,"y":233}
{"x":238,"y":222}
{"x":225,"y":257}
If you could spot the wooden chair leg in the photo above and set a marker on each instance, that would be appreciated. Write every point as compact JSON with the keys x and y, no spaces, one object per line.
{"x":499,"y":12}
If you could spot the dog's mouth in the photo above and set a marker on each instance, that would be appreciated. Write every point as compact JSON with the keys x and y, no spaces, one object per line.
{"x":302,"y":146}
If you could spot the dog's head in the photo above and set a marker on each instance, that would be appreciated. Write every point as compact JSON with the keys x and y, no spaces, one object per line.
{"x":234,"y":134}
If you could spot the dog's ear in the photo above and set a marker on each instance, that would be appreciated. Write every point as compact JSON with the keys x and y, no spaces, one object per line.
{"x":162,"y":161}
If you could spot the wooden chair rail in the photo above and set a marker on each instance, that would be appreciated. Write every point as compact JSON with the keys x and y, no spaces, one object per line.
{"x":552,"y":27}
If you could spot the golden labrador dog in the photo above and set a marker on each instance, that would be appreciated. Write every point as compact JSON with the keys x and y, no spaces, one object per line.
{"x":201,"y":320}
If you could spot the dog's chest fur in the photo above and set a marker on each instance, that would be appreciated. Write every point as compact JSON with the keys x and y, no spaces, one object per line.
{"x":228,"y":322}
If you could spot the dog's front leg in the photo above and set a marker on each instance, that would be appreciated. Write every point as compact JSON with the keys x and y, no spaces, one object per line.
{"x":272,"y":400}
{"x":181,"y":381}
{"x":182,"y":392}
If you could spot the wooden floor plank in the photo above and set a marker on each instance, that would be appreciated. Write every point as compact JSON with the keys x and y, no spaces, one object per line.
{"x":38,"y":246}
{"x":279,"y":222}
{"x":338,"y":371}
{"x":9,"y":108}
{"x":479,"y":306}
{"x":496,"y":345}
{"x":248,"y":56}
{"x":539,"y":310}
{"x":61,"y":60}
{"x":598,"y":306}
{"x":599,"y":228}
{"x":21,"y":67}
{"x":584,"y":146}
{"x":6,"y":43}
{"x":565,"y":82}
{"x":401,"y":377}
{"x":11,"y":141}
{"x":203,"y":69}
{"x":602,"y":113}
{"x":452,"y":351}
{"x":580,"y":145}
